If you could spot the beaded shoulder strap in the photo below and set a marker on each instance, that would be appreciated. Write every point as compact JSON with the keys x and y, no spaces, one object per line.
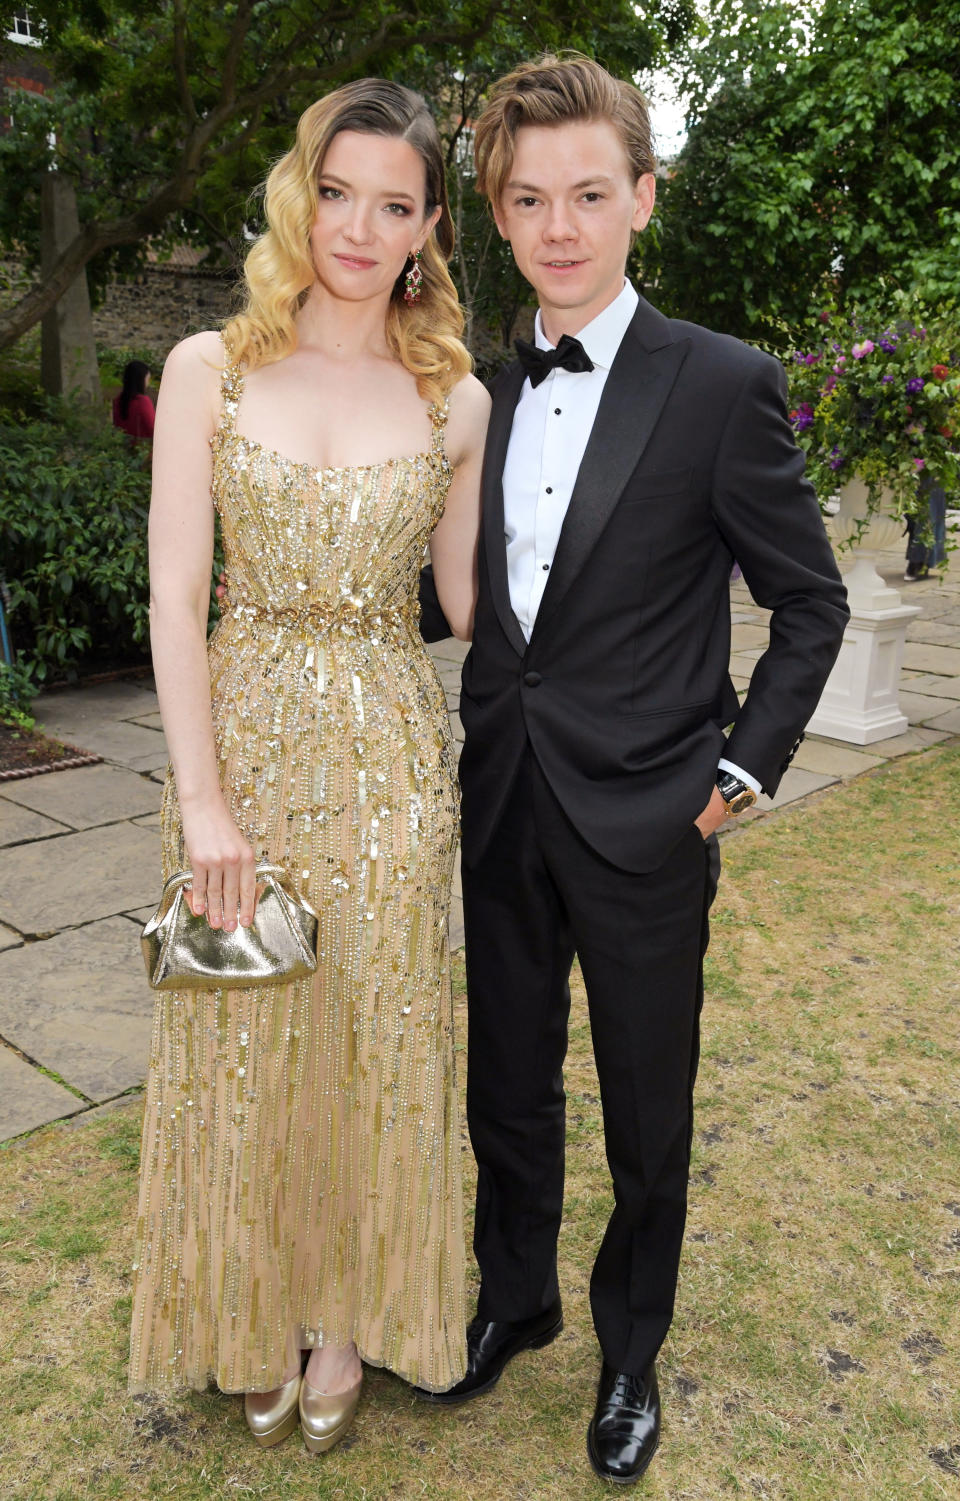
{"x":439,"y":412}
{"x":231,"y":389}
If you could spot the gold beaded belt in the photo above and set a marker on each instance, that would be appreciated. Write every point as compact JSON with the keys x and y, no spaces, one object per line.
{"x":353,"y":613}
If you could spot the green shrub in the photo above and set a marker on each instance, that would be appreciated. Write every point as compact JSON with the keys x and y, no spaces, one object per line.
{"x":18,"y":689}
{"x":74,"y":499}
{"x":74,"y":496}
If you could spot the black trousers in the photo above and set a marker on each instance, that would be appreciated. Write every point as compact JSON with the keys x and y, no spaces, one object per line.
{"x":539,"y":895}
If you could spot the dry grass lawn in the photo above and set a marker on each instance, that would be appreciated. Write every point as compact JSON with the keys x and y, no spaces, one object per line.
{"x":816,"y":1351}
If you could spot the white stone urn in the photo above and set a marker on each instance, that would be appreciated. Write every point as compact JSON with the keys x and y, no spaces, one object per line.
{"x":866,"y":590}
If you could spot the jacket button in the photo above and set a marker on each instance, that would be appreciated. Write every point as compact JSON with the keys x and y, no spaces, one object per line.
{"x":532,"y":679}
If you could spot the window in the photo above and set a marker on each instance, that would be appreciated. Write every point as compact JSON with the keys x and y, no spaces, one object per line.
{"x":23,"y":29}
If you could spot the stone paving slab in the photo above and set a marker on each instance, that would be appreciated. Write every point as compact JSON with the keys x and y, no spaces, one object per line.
{"x":80,"y":1005}
{"x":128,"y":745}
{"x":450,"y":650}
{"x":28,"y":1098}
{"x":148,"y":721}
{"x":832,"y":759}
{"x":87,"y":795}
{"x":928,"y":682}
{"x":917,"y":738}
{"x":140,"y":914}
{"x":98,"y":714}
{"x":749,"y":636}
{"x":79,"y":878}
{"x":949,"y":721}
{"x":919,"y":707}
{"x":940,"y":659}
{"x":933,"y":631}
{"x":8,"y":938}
{"x":18,"y":824}
{"x":99,"y":701}
{"x":797,"y":783}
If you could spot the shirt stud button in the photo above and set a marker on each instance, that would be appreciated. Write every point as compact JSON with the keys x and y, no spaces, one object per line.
{"x":556,"y":411}
{"x":549,"y":489}
{"x":546,"y":567}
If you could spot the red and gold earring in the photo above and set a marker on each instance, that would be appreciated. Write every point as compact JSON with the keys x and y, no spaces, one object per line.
{"x":414,"y":279}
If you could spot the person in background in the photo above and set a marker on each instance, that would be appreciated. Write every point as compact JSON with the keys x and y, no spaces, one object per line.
{"x":132,"y":407}
{"x":922,"y":556}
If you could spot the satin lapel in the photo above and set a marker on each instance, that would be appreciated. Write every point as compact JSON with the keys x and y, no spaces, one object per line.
{"x":506,"y":394}
{"x":633,"y":397}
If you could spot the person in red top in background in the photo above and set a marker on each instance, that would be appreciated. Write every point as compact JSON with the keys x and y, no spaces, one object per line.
{"x":132,"y":407}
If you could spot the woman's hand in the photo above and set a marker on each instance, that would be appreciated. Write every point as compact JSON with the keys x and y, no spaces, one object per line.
{"x":223,"y":864}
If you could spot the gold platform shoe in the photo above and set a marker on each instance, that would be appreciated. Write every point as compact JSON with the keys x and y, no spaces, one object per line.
{"x":272,"y":1416}
{"x":324,"y":1419}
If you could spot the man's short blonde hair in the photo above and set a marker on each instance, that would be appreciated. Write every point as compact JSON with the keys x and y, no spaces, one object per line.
{"x":554,"y":90}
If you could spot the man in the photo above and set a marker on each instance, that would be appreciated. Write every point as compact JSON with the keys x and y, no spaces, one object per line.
{"x":629,"y":460}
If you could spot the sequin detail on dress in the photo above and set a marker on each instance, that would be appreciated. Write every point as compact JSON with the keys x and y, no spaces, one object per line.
{"x":300,"y":1177}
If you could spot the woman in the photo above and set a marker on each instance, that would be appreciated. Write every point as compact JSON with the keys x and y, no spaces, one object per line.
{"x":300,"y":1175}
{"x":132,"y":408}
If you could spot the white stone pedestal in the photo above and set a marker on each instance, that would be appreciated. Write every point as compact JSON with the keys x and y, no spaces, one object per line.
{"x":861,"y":700}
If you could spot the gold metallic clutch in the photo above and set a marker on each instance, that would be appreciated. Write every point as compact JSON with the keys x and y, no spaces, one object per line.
{"x":183,"y":952}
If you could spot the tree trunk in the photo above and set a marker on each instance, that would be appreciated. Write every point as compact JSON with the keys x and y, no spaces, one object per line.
{"x":68,"y":362}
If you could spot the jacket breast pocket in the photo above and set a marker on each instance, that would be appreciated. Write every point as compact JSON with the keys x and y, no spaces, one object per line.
{"x":651,"y":485}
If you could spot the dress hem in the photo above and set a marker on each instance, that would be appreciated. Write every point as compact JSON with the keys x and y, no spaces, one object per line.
{"x":140,"y":1388}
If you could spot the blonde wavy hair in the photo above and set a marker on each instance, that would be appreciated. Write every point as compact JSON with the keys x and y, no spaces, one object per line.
{"x":278,"y":272}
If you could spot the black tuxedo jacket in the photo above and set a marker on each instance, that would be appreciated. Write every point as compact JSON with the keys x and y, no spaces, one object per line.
{"x":623,"y":691}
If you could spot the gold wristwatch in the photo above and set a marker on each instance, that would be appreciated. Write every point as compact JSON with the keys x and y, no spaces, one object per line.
{"x":737,"y":796}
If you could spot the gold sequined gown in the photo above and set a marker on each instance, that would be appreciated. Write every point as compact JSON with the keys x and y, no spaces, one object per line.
{"x":300,"y":1172}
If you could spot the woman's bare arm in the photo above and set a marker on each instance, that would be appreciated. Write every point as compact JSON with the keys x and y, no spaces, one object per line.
{"x":453,"y":546}
{"x":181,"y":556}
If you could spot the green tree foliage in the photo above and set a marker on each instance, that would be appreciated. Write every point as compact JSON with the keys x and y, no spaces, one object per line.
{"x":166,"y":116}
{"x":823,"y":160}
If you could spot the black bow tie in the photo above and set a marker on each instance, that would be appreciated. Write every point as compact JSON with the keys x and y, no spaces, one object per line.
{"x":568,"y":355}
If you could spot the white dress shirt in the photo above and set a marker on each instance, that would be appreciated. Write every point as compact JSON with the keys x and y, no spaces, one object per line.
{"x":551,"y":426}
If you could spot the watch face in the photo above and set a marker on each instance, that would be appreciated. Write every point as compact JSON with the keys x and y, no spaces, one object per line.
{"x":741,"y":802}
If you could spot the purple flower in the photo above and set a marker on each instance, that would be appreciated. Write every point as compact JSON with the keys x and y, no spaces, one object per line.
{"x":920,"y":463}
{"x":831,"y":381}
{"x":811,"y":359}
{"x":837,"y":461}
{"x":802,"y":417}
{"x":889,"y":346}
{"x":915,"y":385}
{"x":859,"y":351}
{"x":886,"y":380}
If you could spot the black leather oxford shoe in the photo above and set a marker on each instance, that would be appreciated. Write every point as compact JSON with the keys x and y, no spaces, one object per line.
{"x":623,"y":1437}
{"x":490,"y":1345}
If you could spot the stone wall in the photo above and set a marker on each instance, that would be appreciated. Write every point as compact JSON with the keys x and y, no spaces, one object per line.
{"x":161,"y":306}
{"x":151,"y":312}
